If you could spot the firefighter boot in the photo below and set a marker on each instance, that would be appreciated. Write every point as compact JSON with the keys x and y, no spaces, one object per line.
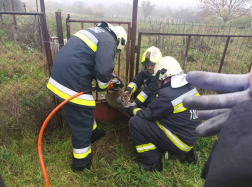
{"x":191,"y":156}
{"x":180,"y":157}
{"x":158,"y":166}
{"x":77,"y":168}
{"x":96,"y":134}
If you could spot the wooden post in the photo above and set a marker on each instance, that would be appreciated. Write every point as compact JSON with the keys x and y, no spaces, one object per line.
{"x":14,"y":24}
{"x":13,"y":16}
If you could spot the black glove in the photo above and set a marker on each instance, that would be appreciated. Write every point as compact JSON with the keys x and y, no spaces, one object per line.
{"x":151,"y":88}
{"x":152,"y":83}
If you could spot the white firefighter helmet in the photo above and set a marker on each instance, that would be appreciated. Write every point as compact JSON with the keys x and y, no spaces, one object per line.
{"x":121,"y":37}
{"x":118,"y":31}
{"x":173,"y":70}
{"x":151,"y":56}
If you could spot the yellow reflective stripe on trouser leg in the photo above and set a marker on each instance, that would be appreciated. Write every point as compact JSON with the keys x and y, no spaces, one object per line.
{"x":95,"y":125}
{"x":66,"y":96}
{"x":81,"y":153}
{"x":136,"y":110}
{"x":174,"y":139}
{"x":85,"y":39}
{"x":145,"y":147}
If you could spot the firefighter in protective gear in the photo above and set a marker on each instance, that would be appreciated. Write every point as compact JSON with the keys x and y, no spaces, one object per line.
{"x":165,"y":124}
{"x":149,"y":60}
{"x":89,"y":54}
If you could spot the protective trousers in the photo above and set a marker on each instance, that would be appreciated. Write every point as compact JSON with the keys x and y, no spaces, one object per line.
{"x":81,"y":122}
{"x":150,"y":140}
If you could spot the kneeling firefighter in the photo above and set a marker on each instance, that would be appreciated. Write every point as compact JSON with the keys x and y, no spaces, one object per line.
{"x":89,"y":54}
{"x":165,"y":125}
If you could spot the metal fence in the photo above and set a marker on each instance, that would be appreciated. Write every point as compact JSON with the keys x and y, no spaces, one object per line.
{"x":216,"y":53}
{"x":25,"y":65}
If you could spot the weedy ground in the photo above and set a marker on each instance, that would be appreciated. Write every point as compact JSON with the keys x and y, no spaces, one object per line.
{"x":25,"y":102}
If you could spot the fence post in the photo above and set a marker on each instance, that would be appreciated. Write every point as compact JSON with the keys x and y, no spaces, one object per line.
{"x":133,"y":38}
{"x":59,"y":29}
{"x":187,"y":47}
{"x":68,"y":26}
{"x":13,"y":16}
{"x":224,"y":54}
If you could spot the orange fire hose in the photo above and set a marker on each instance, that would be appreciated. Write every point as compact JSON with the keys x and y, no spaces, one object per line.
{"x":41,"y":134}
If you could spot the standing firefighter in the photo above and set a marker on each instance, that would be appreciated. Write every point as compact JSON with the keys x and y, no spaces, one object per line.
{"x":149,"y":60}
{"x":165,"y":125}
{"x":89,"y":54}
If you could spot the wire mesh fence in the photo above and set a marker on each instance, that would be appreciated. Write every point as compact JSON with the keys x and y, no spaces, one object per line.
{"x":205,"y":52}
{"x":24,"y":73}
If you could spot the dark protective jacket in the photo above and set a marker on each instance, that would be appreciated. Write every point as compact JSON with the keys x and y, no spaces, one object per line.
{"x":175,"y":120}
{"x":140,"y":79}
{"x":88,"y":54}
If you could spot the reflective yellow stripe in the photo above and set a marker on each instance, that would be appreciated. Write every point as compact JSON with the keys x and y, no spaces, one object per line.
{"x":136,"y":110}
{"x":176,"y":110}
{"x":174,"y":139}
{"x":86,"y":40}
{"x":95,"y":126}
{"x":131,"y":86}
{"x":66,"y":96}
{"x":102,"y":87}
{"x":140,"y":98}
{"x":145,"y":147}
{"x":82,"y":155}
{"x":179,"y":108}
{"x":157,"y":95}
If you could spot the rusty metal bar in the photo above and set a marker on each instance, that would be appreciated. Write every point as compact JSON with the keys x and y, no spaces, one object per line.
{"x":3,"y":7}
{"x":68,"y":26}
{"x":59,"y":29}
{"x":46,"y":37}
{"x":133,"y":38}
{"x":187,"y":47}
{"x":22,"y":13}
{"x":95,"y":21}
{"x":119,"y":58}
{"x":138,"y":51}
{"x":14,"y":22}
{"x":207,"y":35}
{"x":250,"y":67}
{"x":48,"y":53}
{"x":224,"y":54}
{"x":128,"y":54}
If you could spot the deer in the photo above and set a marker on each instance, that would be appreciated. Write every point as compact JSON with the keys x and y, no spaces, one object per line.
{"x":125,"y":101}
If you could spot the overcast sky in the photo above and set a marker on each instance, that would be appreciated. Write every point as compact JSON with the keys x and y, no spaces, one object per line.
{"x":171,"y":3}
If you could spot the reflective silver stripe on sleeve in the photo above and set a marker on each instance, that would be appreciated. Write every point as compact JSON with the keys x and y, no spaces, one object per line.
{"x":102,"y":83}
{"x":69,"y":91}
{"x":90,"y":36}
{"x":83,"y":150}
{"x":143,"y":95}
{"x":134,"y":84}
{"x":180,"y":98}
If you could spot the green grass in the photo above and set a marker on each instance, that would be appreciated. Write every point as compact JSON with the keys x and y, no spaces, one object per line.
{"x":25,"y":103}
{"x":112,"y":157}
